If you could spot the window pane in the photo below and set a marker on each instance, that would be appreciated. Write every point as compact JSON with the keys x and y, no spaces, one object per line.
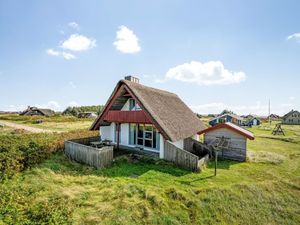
{"x":140,"y":141}
{"x":148,"y":143}
{"x":148,"y":128}
{"x":132,"y":134}
{"x":154,"y":138}
{"x":137,"y":107}
{"x":131,"y":104}
{"x":148,"y":135}
{"x":140,"y":131}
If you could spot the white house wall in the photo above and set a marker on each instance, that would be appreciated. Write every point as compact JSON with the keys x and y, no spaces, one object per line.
{"x":178,"y":144}
{"x":108,"y":132}
{"x":125,"y":106}
{"x":124,"y":134}
{"x":161,"y":146}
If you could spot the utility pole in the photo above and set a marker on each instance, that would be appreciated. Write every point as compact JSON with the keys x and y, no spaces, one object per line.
{"x":269,"y":112}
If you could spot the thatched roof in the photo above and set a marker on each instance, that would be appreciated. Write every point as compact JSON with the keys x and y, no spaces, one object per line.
{"x":37,"y":111}
{"x":168,"y":112}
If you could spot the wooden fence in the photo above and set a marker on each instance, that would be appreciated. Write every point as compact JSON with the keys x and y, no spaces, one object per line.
{"x":180,"y":157}
{"x":196,"y":147}
{"x":97,"y":157}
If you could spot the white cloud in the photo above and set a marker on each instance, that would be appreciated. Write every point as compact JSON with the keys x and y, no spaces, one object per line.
{"x":77,"y":42}
{"x":49,"y":105}
{"x":68,"y":56}
{"x":14,"y":108}
{"x":292,"y":98}
{"x":63,"y":54}
{"x":74,"y":25}
{"x":73,"y":103}
{"x":288,"y":105}
{"x":126,"y":41}
{"x":295,"y":36}
{"x":52,"y":52}
{"x":209,"y":73}
{"x":71,"y":83}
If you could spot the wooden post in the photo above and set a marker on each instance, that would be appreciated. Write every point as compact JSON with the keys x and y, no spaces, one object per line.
{"x":118,"y":134}
{"x":216,"y":161}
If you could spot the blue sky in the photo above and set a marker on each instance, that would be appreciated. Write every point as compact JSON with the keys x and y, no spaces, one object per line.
{"x":213,"y":54}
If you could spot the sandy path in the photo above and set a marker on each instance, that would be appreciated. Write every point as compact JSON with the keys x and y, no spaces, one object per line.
{"x":24,"y":127}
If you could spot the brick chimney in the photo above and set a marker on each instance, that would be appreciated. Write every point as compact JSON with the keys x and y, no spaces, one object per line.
{"x":132,"y":79}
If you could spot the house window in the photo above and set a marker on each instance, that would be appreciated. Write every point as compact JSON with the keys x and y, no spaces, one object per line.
{"x":143,"y":135}
{"x":132,"y":134}
{"x":133,"y":106}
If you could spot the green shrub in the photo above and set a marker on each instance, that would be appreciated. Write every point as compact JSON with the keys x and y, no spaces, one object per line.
{"x":21,"y":151}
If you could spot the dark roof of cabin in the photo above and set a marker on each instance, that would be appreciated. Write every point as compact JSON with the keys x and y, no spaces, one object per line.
{"x":166,"y":109}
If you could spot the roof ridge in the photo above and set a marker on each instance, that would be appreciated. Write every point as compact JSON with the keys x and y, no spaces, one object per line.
{"x":145,"y":86}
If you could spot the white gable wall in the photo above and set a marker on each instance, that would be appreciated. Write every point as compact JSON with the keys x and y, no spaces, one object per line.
{"x":125,"y":106}
{"x":108,"y":132}
{"x":161,"y":146}
{"x":178,"y":144}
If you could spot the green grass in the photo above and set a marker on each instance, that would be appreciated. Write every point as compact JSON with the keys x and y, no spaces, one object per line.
{"x":57,"y":123}
{"x":263,"y":190}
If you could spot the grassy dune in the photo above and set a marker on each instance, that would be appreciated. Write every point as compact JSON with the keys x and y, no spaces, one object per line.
{"x":56,"y":123}
{"x":264,"y":190}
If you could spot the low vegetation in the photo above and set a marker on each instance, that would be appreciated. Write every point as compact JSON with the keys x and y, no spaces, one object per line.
{"x":75,"y":110}
{"x":57,"y":123}
{"x":263,"y":190}
{"x":19,"y":151}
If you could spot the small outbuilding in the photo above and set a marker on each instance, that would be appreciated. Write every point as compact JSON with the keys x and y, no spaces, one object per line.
{"x":90,"y":115}
{"x":252,"y":121}
{"x":234,"y":136}
{"x":227,"y":117}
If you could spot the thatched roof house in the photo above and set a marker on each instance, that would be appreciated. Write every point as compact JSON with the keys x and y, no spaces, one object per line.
{"x":34,"y":111}
{"x":139,"y":116}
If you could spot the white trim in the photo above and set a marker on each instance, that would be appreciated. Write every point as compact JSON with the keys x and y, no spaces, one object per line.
{"x":161,"y":146}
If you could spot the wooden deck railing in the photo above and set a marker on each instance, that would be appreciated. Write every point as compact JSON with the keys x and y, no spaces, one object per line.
{"x":97,"y":157}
